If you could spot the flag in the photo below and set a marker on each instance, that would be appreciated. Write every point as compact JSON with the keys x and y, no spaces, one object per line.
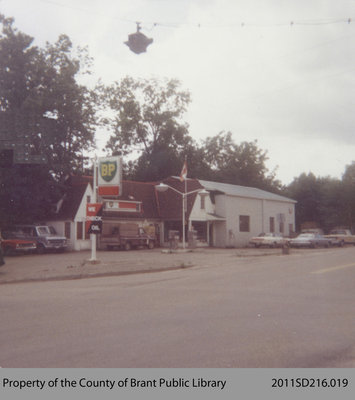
{"x":183,"y":174}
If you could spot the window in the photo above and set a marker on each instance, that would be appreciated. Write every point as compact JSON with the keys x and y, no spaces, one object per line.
{"x":88,"y":199}
{"x":67,"y":230}
{"x":79,"y":230}
{"x":244,"y":223}
{"x":202,"y":202}
{"x":272,"y":224}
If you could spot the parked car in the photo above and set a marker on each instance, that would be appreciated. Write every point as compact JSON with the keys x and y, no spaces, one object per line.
{"x":268,"y":239}
{"x":342,"y":236}
{"x":45,"y":237}
{"x":311,"y":240}
{"x":12,"y":246}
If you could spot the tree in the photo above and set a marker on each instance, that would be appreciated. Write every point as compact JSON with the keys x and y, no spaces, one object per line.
{"x":306,"y":191}
{"x":320,"y":201}
{"x":348,"y":181}
{"x":148,"y":122}
{"x":43,"y":111}
{"x":42,"y":107}
{"x":239,"y":164}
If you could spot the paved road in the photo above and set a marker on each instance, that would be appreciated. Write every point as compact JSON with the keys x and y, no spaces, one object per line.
{"x":275,"y":311}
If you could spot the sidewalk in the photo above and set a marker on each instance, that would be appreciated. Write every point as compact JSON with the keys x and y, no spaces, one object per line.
{"x":76,"y":265}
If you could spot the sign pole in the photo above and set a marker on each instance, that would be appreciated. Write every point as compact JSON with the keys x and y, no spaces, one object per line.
{"x":93,"y":236}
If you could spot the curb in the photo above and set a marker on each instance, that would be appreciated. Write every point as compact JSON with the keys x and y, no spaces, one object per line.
{"x":94,"y":275}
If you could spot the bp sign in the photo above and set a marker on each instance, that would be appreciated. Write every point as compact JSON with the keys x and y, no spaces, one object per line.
{"x":109,"y":176}
{"x":108,"y":170}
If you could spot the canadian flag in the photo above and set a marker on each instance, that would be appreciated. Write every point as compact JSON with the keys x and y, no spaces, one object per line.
{"x":183,"y":174}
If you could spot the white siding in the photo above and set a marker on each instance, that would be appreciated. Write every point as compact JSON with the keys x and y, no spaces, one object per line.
{"x":259,"y":212}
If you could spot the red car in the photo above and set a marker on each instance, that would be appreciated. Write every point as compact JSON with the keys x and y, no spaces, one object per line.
{"x":17,"y":246}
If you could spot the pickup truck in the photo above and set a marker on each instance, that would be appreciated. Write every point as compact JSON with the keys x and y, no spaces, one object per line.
{"x":125,"y":236}
{"x":45,"y":237}
{"x":342,"y":236}
{"x":12,"y":246}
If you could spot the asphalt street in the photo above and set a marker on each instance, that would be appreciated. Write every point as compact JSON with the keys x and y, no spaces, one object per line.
{"x":227,"y":311}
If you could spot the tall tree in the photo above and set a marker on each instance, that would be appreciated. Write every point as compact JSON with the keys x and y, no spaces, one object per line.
{"x":43,"y":111}
{"x":148,"y":122}
{"x":240,"y":164}
{"x":306,"y":191}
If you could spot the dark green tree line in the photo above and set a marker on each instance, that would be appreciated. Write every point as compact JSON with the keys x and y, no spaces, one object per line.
{"x":324,"y":202}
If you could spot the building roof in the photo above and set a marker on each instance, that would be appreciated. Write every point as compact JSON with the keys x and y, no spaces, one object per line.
{"x":243,"y":191}
{"x":156,"y":205}
{"x":68,"y":205}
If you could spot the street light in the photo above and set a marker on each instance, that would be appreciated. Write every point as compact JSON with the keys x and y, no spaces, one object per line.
{"x":162,"y":187}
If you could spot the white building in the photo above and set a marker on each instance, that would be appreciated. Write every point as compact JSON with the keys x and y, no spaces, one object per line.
{"x":70,"y":216}
{"x":232,"y":214}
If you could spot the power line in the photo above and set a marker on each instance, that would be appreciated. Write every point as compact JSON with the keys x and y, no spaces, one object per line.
{"x":236,"y":24}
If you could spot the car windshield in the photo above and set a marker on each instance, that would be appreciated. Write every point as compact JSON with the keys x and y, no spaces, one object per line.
{"x":43,"y":230}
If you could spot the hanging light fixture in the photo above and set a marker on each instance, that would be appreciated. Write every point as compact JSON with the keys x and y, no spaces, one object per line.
{"x":138,"y":42}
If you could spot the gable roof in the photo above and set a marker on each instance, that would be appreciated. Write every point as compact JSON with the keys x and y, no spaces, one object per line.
{"x":68,"y":205}
{"x":243,"y":191}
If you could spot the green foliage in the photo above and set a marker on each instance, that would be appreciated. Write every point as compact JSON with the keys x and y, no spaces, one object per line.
{"x":148,"y":120}
{"x":326,"y":202}
{"x":27,"y":194}
{"x":239,"y":164}
{"x":43,"y":111}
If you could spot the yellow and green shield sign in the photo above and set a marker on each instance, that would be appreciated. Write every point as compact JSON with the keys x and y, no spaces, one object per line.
{"x":108,"y":170}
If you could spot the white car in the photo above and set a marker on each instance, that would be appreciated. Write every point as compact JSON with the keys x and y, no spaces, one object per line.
{"x":268,"y":239}
{"x":311,"y":240}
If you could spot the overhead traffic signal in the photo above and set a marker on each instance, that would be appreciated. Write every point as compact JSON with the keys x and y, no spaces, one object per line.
{"x":138,"y":42}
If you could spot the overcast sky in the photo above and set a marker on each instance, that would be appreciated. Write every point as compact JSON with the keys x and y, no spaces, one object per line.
{"x":278,"y":71}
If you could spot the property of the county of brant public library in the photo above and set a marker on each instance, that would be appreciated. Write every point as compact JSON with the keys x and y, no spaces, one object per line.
{"x":218,"y":214}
